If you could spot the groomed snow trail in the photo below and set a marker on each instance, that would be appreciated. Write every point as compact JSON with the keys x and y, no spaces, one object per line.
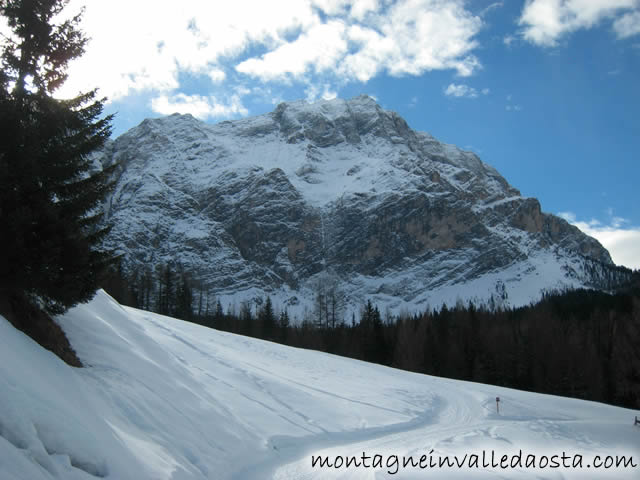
{"x":164,"y":399}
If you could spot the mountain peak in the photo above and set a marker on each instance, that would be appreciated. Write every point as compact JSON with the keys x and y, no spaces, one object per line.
{"x":340,"y":190}
{"x":327,"y":123}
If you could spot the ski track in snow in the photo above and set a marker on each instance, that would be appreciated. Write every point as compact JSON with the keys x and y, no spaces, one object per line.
{"x":164,"y":399}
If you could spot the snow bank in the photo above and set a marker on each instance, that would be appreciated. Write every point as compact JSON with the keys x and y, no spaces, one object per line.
{"x":163,"y":399}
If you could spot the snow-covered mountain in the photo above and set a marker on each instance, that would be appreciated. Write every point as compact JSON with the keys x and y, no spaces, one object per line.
{"x":161,"y":399}
{"x":337,"y":196}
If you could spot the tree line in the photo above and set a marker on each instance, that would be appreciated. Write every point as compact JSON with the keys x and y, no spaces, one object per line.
{"x":579,"y":343}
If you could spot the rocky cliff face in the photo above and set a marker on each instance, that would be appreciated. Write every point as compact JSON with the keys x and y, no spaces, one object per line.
{"x":337,"y":192}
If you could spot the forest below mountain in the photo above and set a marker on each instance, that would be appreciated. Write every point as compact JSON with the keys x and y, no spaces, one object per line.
{"x":579,"y":343}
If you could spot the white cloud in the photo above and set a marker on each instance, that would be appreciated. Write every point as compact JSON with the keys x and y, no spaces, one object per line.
{"x":622,"y":240}
{"x":217,"y":75}
{"x":360,"y":9}
{"x":627,"y":25}
{"x":411,"y":37}
{"x":491,"y":7}
{"x":568,"y":216}
{"x":198,"y":106}
{"x":508,"y":40}
{"x":146,"y":45}
{"x":544,"y":22}
{"x":461,"y":90}
{"x":312,"y":93}
{"x":318,"y":49}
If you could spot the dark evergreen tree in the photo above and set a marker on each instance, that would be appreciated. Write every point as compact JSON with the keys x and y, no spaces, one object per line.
{"x":184,"y":298}
{"x":134,"y":288}
{"x":49,"y":194}
{"x":147,"y":287}
{"x":200,"y":299}
{"x":283,"y":326}
{"x":246,"y":319}
{"x":268,"y":320}
{"x":218,"y":315}
{"x":166,"y":291}
{"x":374,"y":347}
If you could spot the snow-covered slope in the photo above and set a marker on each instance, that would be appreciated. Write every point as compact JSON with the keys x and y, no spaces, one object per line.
{"x":163,"y":399}
{"x":336,"y":195}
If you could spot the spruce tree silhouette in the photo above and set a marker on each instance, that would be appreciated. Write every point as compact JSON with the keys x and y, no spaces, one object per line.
{"x":49,"y":194}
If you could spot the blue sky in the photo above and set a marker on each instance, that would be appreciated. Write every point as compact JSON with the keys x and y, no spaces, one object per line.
{"x":546,"y":91}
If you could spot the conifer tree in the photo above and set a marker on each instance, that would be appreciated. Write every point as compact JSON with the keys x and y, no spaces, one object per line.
{"x":49,"y":194}
{"x":268,"y":319}
{"x":284,"y":322}
{"x":246,"y":319}
{"x":184,"y":297}
{"x":219,"y":313}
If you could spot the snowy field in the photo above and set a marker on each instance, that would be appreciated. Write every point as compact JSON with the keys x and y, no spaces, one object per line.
{"x":165,"y":399}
